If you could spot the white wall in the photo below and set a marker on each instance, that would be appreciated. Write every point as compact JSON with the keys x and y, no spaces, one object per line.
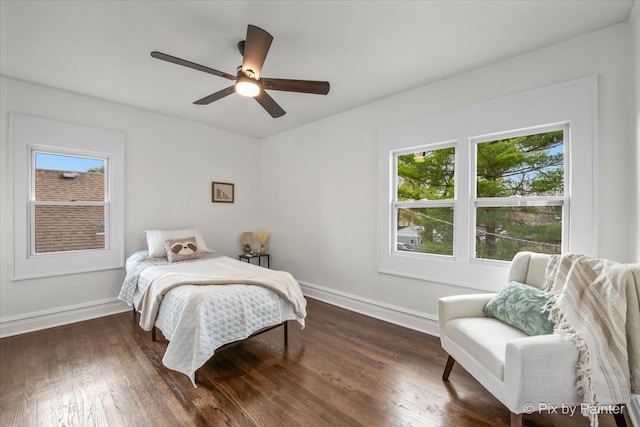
{"x":170,"y":164}
{"x":318,"y":193}
{"x":634,"y":21}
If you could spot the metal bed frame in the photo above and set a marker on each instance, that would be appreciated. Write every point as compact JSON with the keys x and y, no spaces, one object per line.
{"x":284,"y":324}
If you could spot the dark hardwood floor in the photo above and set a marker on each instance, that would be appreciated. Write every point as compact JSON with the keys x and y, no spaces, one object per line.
{"x":343,"y":369}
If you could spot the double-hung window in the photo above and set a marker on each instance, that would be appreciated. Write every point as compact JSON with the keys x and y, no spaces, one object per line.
{"x":424,"y":200}
{"x":70,"y":202}
{"x":461,"y":192}
{"x":69,"y":198}
{"x":518,"y":193}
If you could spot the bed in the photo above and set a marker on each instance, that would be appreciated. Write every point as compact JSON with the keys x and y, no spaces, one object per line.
{"x":203,"y":303}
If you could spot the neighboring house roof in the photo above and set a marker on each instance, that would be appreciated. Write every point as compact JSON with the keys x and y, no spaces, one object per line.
{"x":59,"y":185}
{"x":69,"y":227}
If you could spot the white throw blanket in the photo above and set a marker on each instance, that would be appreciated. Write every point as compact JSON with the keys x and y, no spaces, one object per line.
{"x":280,"y":282}
{"x":595,"y":303}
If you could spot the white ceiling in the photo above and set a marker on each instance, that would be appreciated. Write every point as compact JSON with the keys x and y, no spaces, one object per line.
{"x":367,"y":50}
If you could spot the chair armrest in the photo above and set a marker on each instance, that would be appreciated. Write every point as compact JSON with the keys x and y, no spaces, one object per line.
{"x":457,"y":306}
{"x":540,"y":370}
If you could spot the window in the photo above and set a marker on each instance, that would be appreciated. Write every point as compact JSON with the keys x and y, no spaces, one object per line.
{"x":424,"y":200}
{"x":69,"y":198}
{"x":69,"y":203}
{"x":519,"y":194}
{"x":461,"y":192}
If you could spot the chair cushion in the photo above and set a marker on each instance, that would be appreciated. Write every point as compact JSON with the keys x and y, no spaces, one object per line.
{"x":520,"y":306}
{"x":484,"y":338}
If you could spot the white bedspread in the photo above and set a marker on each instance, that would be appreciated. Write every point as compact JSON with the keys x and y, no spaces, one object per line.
{"x":198,"y":319}
{"x":280,"y":282}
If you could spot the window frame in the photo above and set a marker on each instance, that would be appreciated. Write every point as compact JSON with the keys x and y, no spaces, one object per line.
{"x":30,"y":135}
{"x":564,"y":200}
{"x":34,"y":203}
{"x":439,"y":203}
{"x":573,"y":103}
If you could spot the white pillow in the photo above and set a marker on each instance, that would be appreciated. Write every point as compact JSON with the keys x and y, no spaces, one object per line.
{"x":156,"y":238}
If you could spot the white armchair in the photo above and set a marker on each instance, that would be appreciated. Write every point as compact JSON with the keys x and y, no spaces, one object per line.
{"x":518,"y":369}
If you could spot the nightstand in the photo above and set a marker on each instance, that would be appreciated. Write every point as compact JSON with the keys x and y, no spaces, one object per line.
{"x":249,"y":257}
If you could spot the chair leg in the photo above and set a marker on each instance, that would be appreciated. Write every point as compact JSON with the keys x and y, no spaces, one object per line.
{"x":447,"y":369}
{"x":618,"y":415}
{"x":516,"y":420}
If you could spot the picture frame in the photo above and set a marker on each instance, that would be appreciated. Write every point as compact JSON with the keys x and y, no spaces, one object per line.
{"x":222,"y":192}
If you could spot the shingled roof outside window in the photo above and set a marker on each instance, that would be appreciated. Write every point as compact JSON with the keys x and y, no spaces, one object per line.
{"x":72,"y":226}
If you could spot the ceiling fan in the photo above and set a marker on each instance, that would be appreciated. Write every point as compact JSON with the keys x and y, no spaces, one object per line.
{"x":248,"y":81}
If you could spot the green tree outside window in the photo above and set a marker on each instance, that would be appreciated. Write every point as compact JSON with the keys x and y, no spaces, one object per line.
{"x":512,"y":176}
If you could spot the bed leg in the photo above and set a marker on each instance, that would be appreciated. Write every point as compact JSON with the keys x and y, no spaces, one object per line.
{"x":153,"y":334}
{"x":286,"y":334}
{"x":133,"y":311}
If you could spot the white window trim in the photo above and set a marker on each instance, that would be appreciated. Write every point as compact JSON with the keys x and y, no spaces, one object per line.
{"x":29,"y":134}
{"x":476,"y":202}
{"x":572,"y":102}
{"x":439,"y":203}
{"x":33,"y":203}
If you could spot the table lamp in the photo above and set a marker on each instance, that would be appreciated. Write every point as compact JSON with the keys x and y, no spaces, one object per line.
{"x":246,"y":240}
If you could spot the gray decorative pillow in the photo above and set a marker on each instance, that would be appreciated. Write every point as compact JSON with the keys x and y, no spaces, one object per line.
{"x":182,"y":249}
{"x":520,"y":306}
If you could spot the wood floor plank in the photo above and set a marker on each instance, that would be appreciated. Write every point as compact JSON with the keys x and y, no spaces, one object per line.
{"x":343,"y":369}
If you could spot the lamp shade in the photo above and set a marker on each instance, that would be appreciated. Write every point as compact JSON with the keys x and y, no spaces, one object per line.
{"x":247,"y":238}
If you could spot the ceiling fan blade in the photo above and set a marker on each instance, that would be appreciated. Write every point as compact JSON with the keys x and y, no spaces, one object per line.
{"x":269,"y":104}
{"x":185,"y":63}
{"x":256,"y":47}
{"x":215,"y":96}
{"x":303,"y":86}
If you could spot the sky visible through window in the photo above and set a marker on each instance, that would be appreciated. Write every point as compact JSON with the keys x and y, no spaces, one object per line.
{"x":66,"y":163}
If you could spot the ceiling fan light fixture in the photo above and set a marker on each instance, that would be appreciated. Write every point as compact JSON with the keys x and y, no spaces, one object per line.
{"x":246,"y":86}
{"x":419,"y":157}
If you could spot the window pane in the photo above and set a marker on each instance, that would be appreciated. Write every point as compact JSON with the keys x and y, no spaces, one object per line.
{"x":426,"y":175}
{"x":65,"y":178}
{"x":503,"y":231}
{"x":530,"y":165}
{"x":427,"y":230}
{"x":69,"y":178}
{"x":69,"y":228}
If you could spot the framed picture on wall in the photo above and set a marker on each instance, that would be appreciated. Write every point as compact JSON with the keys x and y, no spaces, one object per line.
{"x":222,"y":192}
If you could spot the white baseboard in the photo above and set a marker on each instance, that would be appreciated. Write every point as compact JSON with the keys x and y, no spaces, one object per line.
{"x":35,"y":321}
{"x":418,"y":321}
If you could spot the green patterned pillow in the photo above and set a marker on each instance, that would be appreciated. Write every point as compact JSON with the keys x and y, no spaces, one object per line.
{"x":520,"y":306}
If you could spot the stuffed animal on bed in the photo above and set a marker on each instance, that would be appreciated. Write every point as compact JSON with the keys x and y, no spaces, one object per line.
{"x":182,"y":249}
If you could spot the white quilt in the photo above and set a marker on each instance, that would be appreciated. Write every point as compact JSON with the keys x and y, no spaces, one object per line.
{"x":198,"y":319}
